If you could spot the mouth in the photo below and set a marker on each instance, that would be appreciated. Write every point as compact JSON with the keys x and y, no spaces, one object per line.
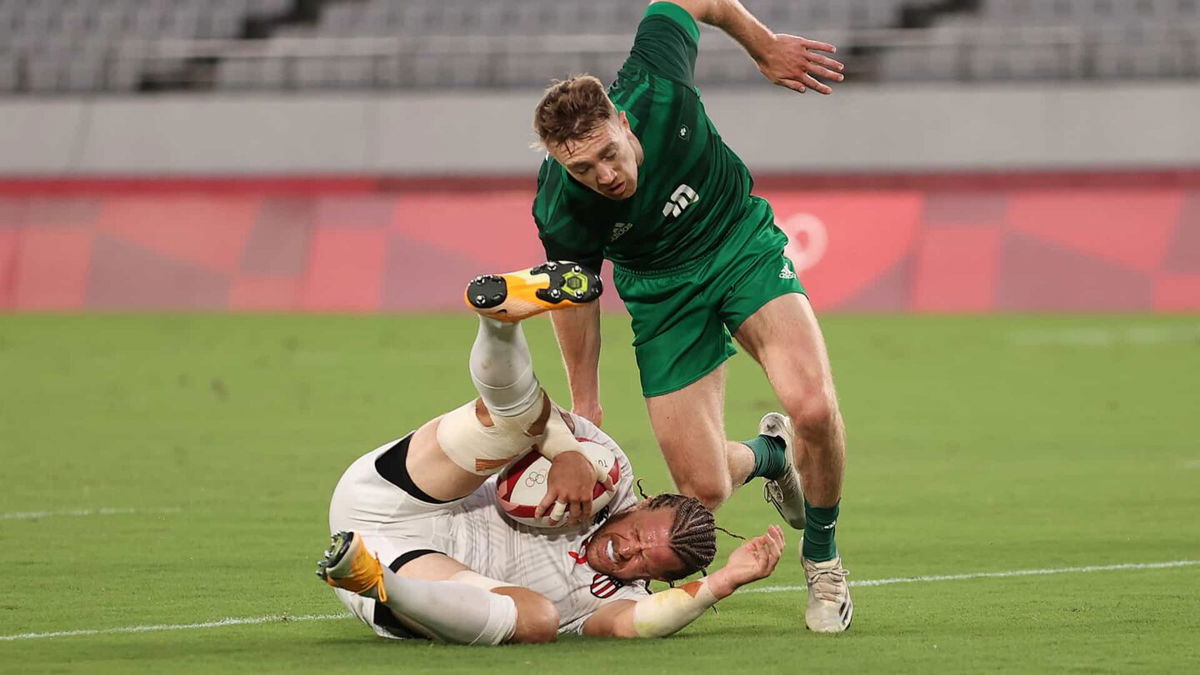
{"x":617,"y":189}
{"x":609,"y":552}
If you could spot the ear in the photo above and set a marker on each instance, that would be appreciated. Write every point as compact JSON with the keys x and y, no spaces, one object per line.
{"x":624,"y":120}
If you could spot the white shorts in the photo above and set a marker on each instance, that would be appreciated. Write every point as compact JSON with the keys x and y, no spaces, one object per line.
{"x":394,"y":525}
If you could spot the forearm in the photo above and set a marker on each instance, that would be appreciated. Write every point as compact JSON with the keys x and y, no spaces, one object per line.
{"x":735,"y":20}
{"x":667,"y":612}
{"x":578,"y":333}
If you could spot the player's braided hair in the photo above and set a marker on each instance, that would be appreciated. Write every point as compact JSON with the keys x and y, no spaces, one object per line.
{"x":693,"y":534}
{"x":571,"y":109}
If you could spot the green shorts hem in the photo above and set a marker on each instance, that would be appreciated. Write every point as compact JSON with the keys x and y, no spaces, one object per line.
{"x":733,"y":329}
{"x":672,"y":388}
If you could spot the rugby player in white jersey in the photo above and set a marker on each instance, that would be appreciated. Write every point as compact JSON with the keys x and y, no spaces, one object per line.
{"x":422,"y":549}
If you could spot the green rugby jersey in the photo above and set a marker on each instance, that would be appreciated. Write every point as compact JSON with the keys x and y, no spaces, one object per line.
{"x":692,"y":189}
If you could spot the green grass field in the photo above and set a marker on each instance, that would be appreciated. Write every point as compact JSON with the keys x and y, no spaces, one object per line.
{"x":975,"y":445}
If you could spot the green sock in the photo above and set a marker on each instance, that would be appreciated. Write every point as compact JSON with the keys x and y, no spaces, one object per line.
{"x":770,"y":460}
{"x":819,"y":545}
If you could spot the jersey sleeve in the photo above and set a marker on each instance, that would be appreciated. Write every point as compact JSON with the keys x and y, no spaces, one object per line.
{"x":563,"y":236}
{"x":666,"y":43}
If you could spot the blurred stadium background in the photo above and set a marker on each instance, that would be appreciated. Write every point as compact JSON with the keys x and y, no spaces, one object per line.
{"x":324,"y":154}
{"x":205,"y":157}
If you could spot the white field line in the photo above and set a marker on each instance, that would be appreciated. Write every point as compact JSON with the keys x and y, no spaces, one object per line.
{"x":1105,"y":337}
{"x":992,"y":575}
{"x":177,"y":626}
{"x":103,"y":511}
{"x":763,"y":589}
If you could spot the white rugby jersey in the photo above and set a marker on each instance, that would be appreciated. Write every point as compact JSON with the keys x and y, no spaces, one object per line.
{"x":549,"y":561}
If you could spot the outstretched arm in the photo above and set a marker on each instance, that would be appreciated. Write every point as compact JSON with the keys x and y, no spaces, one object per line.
{"x":668,"y":611}
{"x":578,"y":333}
{"x":786,"y":60}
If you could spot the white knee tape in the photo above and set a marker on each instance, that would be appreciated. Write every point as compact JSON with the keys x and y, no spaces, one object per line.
{"x":478,"y":449}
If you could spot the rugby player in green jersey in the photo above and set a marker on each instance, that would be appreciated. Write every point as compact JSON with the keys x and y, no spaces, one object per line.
{"x":639,"y":175}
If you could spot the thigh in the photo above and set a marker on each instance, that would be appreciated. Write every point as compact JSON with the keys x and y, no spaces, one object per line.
{"x":689,"y":426}
{"x":784,"y":337}
{"x":679,"y":337}
{"x":393,"y":524}
{"x":756,"y":273}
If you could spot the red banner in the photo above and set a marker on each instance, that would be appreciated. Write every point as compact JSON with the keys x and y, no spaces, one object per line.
{"x":371,"y":247}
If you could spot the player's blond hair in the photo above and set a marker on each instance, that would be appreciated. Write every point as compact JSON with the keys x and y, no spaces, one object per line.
{"x":571,"y":109}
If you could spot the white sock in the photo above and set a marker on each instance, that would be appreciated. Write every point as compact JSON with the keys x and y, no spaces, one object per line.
{"x":502,"y":368}
{"x":452,"y":611}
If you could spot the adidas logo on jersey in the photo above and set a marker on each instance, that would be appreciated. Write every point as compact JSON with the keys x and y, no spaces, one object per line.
{"x":786,"y":272}
{"x":681,"y":198}
{"x":620,"y":229}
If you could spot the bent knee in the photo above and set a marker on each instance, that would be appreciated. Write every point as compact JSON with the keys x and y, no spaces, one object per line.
{"x":815,"y":413}
{"x":537,"y":617}
{"x":712,"y":491}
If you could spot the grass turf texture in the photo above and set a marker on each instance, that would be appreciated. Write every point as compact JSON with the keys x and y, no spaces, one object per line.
{"x":975,"y":444}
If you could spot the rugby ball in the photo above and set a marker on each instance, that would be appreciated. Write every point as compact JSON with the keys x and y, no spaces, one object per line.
{"x":522,"y":486}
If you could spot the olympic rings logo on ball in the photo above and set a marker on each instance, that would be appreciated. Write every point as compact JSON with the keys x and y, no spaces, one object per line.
{"x":534,"y":478}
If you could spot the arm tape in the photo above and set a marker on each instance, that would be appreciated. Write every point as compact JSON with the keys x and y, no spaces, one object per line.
{"x":666,"y":612}
{"x":559,"y":439}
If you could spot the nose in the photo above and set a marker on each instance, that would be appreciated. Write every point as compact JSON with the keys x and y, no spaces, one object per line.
{"x":627,"y":550}
{"x":606,"y":175}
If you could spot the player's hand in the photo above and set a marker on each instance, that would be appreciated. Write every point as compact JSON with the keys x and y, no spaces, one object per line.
{"x":755,"y":559}
{"x":570,"y":484}
{"x":795,"y":62}
{"x":589,"y":410}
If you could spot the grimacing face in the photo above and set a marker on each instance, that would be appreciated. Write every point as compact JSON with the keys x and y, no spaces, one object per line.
{"x":606,"y":160}
{"x":635,"y":545}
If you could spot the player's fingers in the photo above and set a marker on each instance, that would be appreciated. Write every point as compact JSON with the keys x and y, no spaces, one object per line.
{"x":825,"y":72}
{"x":544,"y":505}
{"x":819,"y":58}
{"x":556,"y":514}
{"x":578,"y":512}
{"x":608,"y":484}
{"x":812,"y":83}
{"x":771,"y":542}
{"x":776,"y":534}
{"x":816,"y":44}
{"x":793,"y":85}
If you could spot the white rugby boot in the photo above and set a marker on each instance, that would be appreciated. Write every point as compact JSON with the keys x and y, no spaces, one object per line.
{"x":785,"y":492}
{"x":830,"y":609}
{"x":349,"y":565}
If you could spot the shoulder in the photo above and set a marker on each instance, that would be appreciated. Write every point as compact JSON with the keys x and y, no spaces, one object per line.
{"x":549,"y":205}
{"x":666,"y":44}
{"x":666,"y":15}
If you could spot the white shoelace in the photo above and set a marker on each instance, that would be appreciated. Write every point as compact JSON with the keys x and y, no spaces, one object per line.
{"x":830,"y":584}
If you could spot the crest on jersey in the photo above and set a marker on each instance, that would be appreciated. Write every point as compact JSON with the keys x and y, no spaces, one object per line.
{"x":603,"y":586}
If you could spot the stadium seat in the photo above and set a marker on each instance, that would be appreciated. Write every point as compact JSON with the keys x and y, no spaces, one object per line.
{"x":59,"y":34}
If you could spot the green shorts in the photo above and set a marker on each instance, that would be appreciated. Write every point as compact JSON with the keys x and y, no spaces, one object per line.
{"x":684,"y":317}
